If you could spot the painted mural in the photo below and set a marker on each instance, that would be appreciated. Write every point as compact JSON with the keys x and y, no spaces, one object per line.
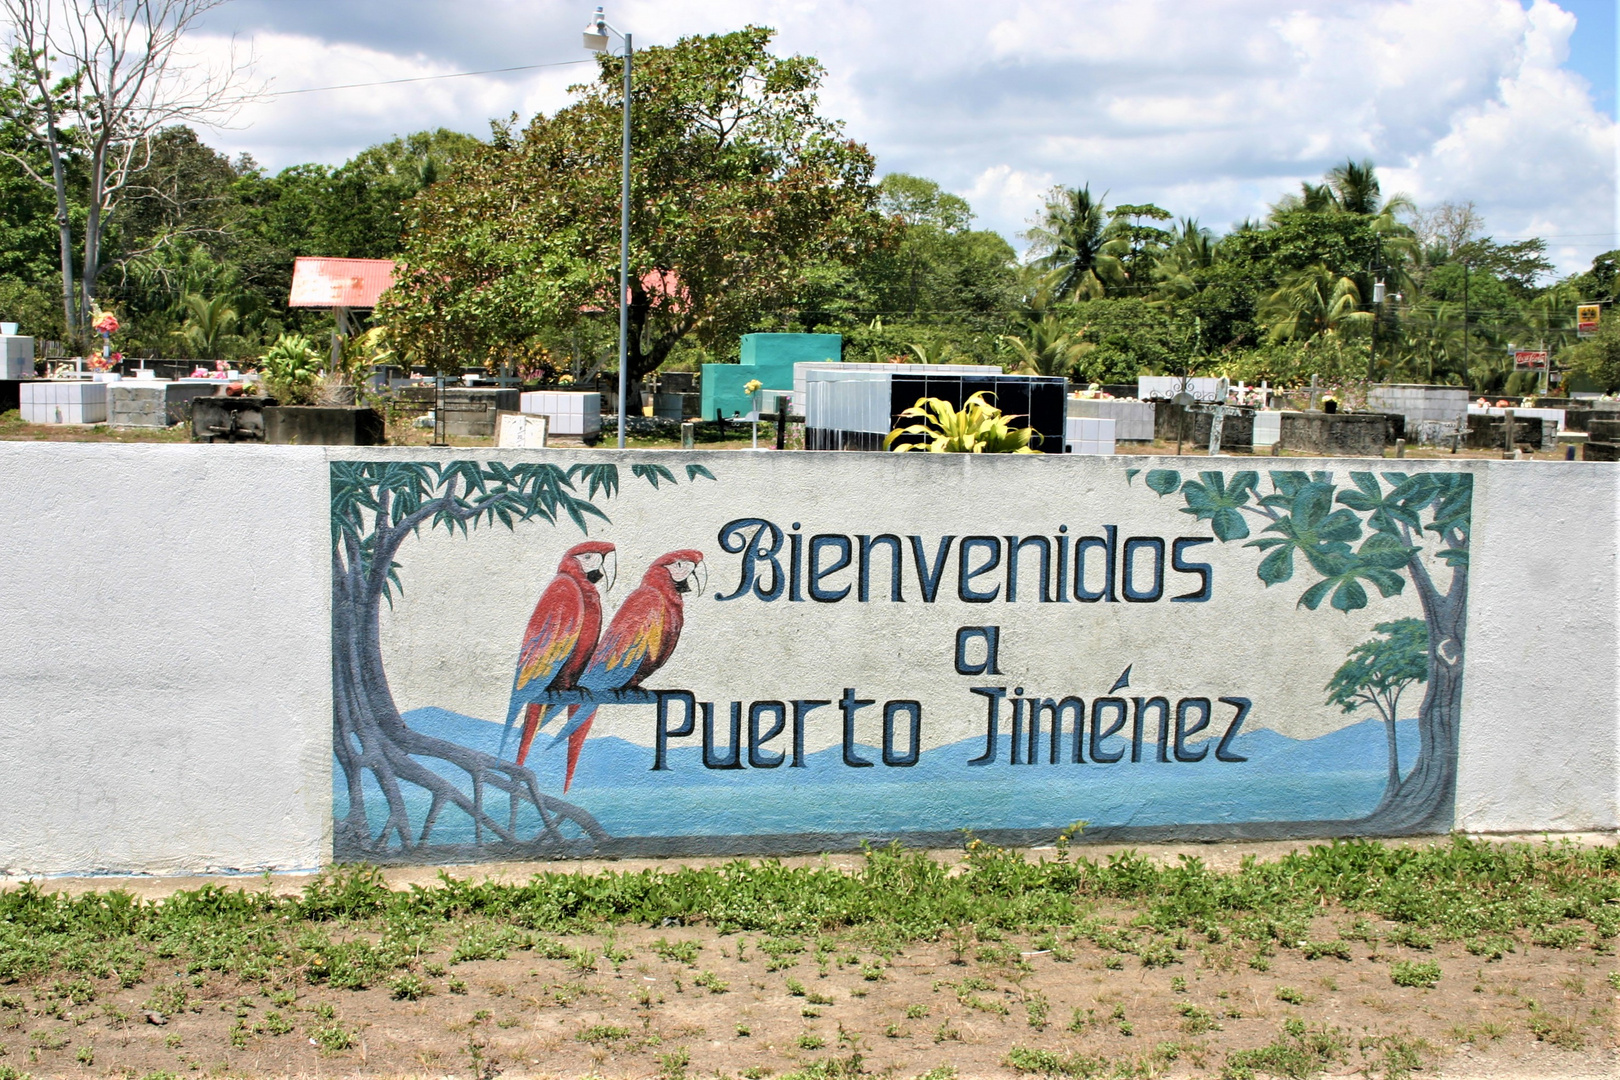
{"x":558,"y":658}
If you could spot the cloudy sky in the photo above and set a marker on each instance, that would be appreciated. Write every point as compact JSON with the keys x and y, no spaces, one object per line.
{"x":1211,"y":108}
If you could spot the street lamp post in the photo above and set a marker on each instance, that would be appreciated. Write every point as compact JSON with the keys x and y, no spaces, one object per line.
{"x":596,"y":40}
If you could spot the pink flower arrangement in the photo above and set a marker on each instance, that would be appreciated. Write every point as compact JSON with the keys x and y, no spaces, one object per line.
{"x":107,"y":323}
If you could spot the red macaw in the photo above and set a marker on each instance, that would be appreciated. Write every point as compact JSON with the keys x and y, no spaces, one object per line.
{"x":561,"y":637}
{"x":641,"y":637}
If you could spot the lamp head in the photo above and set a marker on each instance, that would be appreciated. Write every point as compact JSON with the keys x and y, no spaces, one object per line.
{"x":596,"y":33}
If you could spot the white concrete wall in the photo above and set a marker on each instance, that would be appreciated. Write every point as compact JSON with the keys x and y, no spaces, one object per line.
{"x":165,"y":701}
{"x":165,"y":698}
{"x":1540,"y":740}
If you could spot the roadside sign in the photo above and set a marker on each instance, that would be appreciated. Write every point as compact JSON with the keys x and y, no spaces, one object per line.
{"x":1586,"y":319}
{"x":1529,"y":361}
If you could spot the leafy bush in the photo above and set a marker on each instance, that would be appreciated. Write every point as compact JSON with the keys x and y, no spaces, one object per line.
{"x":978,"y":427}
{"x":292,"y":370}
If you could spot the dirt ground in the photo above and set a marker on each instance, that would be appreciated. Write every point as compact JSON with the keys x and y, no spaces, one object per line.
{"x":679,"y":1001}
{"x":704,"y":1005}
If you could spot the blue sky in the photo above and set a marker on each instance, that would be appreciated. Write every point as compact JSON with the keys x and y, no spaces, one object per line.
{"x":1212,"y":109}
{"x":1594,"y":46}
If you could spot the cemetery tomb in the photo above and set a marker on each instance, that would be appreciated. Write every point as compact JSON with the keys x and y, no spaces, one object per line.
{"x":770,"y":360}
{"x":1237,"y":430}
{"x":1362,"y":434}
{"x":1165,"y":387}
{"x":16,"y":357}
{"x":1133,"y":420}
{"x":470,"y":411}
{"x":62,"y":402}
{"x":856,"y":409}
{"x":1089,"y":434}
{"x":570,"y":412}
{"x":1433,"y":413}
{"x":1267,"y":428}
{"x":149,"y":402}
{"x":1552,"y":420}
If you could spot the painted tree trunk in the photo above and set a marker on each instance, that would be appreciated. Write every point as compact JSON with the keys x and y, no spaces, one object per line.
{"x":1423,"y":802}
{"x":369,"y":735}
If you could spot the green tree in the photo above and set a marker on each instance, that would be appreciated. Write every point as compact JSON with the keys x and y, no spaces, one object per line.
{"x":208,"y":323}
{"x":739,"y":187}
{"x":1313,"y":303}
{"x":1073,"y":245}
{"x":1047,"y":347}
{"x":1181,"y":271}
{"x":1377,"y":673}
{"x":1144,"y":243}
{"x":1132,"y":336}
{"x":1598,"y":358}
{"x":935,"y":266}
{"x":1380,"y":533}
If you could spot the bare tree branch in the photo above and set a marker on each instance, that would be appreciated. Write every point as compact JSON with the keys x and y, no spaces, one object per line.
{"x":101,"y":84}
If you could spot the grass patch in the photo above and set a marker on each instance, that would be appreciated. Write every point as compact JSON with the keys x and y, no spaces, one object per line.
{"x":1416,"y":973}
{"x":1299,"y":1053}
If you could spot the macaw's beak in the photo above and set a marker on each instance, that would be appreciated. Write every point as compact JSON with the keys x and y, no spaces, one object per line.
{"x":605,"y":574}
{"x":695,"y":581}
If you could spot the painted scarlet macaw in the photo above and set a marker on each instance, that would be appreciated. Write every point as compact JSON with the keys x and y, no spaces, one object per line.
{"x":561,"y":637}
{"x":641,"y":637}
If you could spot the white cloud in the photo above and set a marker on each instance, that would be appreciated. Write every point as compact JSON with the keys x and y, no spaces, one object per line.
{"x":1212,"y":109}
{"x":1001,"y":192}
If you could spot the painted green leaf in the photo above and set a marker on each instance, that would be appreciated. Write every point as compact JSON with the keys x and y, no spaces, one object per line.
{"x":652,"y":474}
{"x":1228,"y":524}
{"x":1164,"y":481}
{"x":1349,"y":596}
{"x":1313,"y":596}
{"x":1211,"y":498}
{"x":1130,"y":476}
{"x":695,"y":471}
{"x":1278,"y":566}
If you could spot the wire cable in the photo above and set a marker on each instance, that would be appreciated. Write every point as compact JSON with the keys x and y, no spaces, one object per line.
{"x":426,"y":78}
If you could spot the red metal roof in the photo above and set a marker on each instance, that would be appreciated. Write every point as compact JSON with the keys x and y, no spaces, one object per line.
{"x":352,"y":283}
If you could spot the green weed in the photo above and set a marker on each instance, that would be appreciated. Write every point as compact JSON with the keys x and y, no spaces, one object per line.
{"x":1195,"y":1020}
{"x":603,"y":1033}
{"x":1298,"y":1054}
{"x":410,"y":988}
{"x":1417,"y":973}
{"x":711,"y":982}
{"x":677,"y":952}
{"x":1290,"y":995}
{"x":332,"y":1037}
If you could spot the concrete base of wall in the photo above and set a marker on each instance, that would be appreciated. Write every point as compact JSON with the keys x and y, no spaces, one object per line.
{"x":318,"y":425}
{"x":1355,"y":434}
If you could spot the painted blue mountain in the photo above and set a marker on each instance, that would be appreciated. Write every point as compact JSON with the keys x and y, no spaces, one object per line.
{"x":1338,"y":776}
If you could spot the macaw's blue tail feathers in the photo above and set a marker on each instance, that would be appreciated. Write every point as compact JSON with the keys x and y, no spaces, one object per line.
{"x":578,"y":716}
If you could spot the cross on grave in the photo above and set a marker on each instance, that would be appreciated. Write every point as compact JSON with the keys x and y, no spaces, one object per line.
{"x":1219,"y":414}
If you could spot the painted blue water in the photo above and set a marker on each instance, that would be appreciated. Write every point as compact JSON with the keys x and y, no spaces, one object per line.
{"x":1340,"y":775}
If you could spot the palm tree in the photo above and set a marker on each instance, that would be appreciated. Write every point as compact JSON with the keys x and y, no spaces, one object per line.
{"x":1431,"y":347}
{"x":1192,"y":248}
{"x":1049,"y":348}
{"x":1073,"y":245}
{"x":1353,"y":188}
{"x":208,"y":323}
{"x":1313,"y":303}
